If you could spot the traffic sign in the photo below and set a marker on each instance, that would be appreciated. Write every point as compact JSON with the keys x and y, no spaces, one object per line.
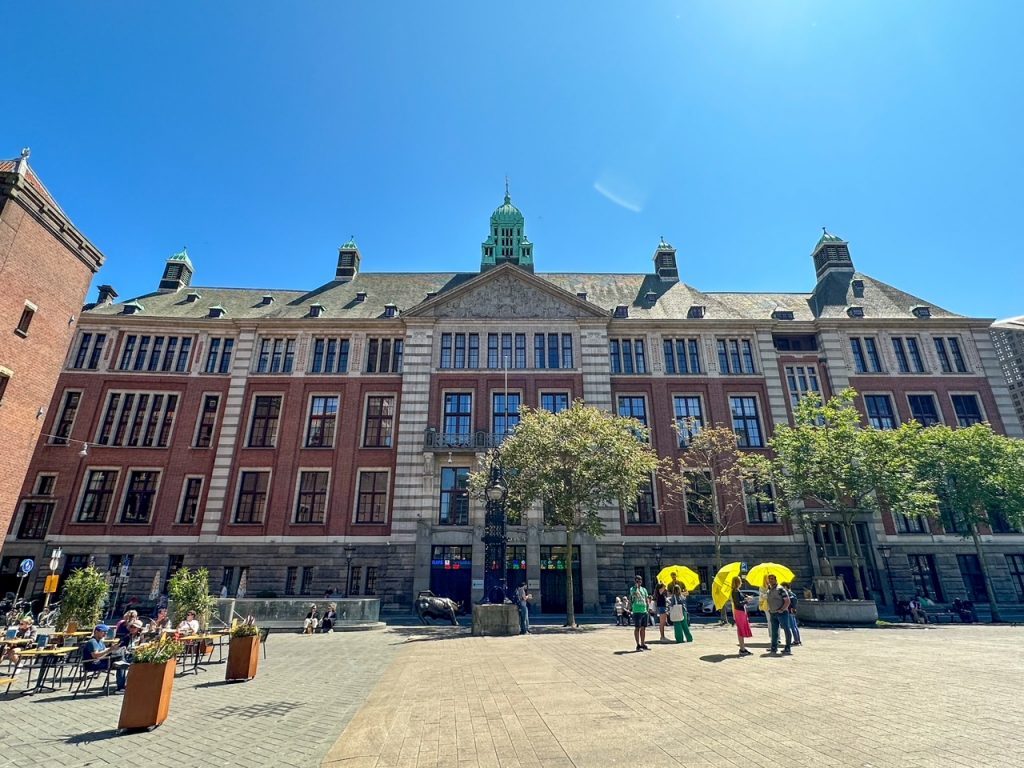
{"x":51,"y":584}
{"x":27,"y":565}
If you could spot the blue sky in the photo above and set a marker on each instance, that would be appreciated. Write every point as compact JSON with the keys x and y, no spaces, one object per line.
{"x":263,"y":135}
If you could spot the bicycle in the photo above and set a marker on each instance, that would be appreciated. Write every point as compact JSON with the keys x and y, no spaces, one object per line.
{"x":50,"y":616}
{"x":17,"y":610}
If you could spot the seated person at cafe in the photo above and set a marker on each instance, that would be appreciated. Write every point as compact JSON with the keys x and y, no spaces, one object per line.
{"x":190,"y":626}
{"x":160,"y":623}
{"x":26,"y":631}
{"x":95,"y":654}
{"x":124,"y":651}
{"x":121,"y":628}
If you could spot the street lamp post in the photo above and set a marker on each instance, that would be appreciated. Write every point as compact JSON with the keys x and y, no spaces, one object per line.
{"x":350,"y":552}
{"x":55,"y":557}
{"x":885,"y":551}
{"x":495,"y":539}
{"x":657,"y":556}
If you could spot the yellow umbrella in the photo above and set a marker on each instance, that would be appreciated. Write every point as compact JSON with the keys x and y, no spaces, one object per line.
{"x":687,"y":577}
{"x":721,"y":588}
{"x":757,"y":575}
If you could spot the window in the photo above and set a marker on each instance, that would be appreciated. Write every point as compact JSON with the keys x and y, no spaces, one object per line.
{"x":745,"y":422}
{"x":552,"y":350}
{"x":735,"y":356}
{"x":505,"y":412}
{"x":355,"y":578}
{"x":276,"y":356}
{"x":45,"y":484}
{"x":35,"y":520}
{"x":384,"y":355}
{"x":908,"y":354}
{"x":26,"y":320}
{"x":1015,"y":564}
{"x":140,"y":496}
{"x":880,"y":414}
{"x":627,"y":356}
{"x":99,"y":492}
{"x":371,"y":580}
{"x":906,"y":524}
{"x":967,"y":410}
{"x":801,"y":380}
{"x":372,"y":502}
{"x":923,"y":409}
{"x":4,"y":378}
{"x":567,"y":350}
{"x":458,"y":414}
{"x":950,"y":355}
{"x":453,"y":506}
{"x":633,"y":407}
{"x":323,"y":415}
{"x":289,"y":579}
{"x":700,"y":499}
{"x":311,"y":505}
{"x":760,"y":504}
{"x":190,"y":500}
{"x":155,"y":354}
{"x":329,"y":356}
{"x":379,"y":423}
{"x":137,"y":419}
{"x":252,"y":497}
{"x":682,"y":355}
{"x":926,"y":580}
{"x":689,"y":417}
{"x":307,"y":580}
{"x":266,"y":412}
{"x":218,"y":356}
{"x":66,"y":419}
{"x":974,"y":579}
{"x":830,"y":537}
{"x":643,"y":512}
{"x":90,"y":350}
{"x":207,"y":421}
{"x":865,"y":355}
{"x":556,"y":402}
{"x":174,"y":564}
{"x":460,"y":350}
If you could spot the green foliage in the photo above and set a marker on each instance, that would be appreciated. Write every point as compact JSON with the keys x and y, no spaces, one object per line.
{"x":190,"y":591}
{"x":246,"y":628}
{"x":85,"y":591}
{"x":165,"y":648}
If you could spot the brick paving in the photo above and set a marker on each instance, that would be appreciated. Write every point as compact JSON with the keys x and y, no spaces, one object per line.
{"x":907,"y":697}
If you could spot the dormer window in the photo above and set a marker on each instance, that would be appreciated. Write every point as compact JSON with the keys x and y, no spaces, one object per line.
{"x":431,"y":294}
{"x":855,"y":311}
{"x":621,"y":310}
{"x":650,"y":297}
{"x":132,"y":308}
{"x":782,"y":314}
{"x":582,"y":295}
{"x":858,"y":288}
{"x":192,"y":297}
{"x":390,"y":310}
{"x":361,"y":296}
{"x":316,"y":310}
{"x":267,"y":299}
{"x":696,"y":312}
{"x":217,"y":311}
{"x":922,"y":312}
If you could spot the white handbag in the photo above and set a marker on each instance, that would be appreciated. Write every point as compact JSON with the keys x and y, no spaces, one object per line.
{"x":675,"y":613}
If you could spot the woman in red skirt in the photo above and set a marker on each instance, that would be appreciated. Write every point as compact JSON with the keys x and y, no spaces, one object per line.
{"x":739,"y":613}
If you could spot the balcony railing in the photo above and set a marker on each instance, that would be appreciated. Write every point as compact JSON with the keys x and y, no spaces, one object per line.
{"x":434,"y":440}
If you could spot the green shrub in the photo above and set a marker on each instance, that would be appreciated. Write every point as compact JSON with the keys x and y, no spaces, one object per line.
{"x":85,"y":591}
{"x":190,"y":591}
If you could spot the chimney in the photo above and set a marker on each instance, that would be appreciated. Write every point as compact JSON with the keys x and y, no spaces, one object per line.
{"x":107,"y":295}
{"x":177,"y":273}
{"x":348,"y":261}
{"x":665,"y":263}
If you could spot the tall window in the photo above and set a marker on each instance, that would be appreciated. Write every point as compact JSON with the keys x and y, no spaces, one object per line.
{"x":689,"y":417}
{"x":276,"y":356}
{"x":453,"y":506}
{"x":140,"y":497}
{"x":745,"y":422}
{"x":923,"y":410}
{"x":291,"y":574}
{"x":98,"y":495}
{"x":190,"y":500}
{"x":505,"y":412}
{"x":926,"y":580}
{"x":974,"y":579}
{"x":700,"y":499}
{"x":372,"y":501}
{"x":137,"y":419}
{"x":633,"y":407}
{"x":207,"y":421}
{"x":266,"y":412}
{"x":379,"y":423}
{"x":951,"y":357}
{"x":908,"y":524}
{"x":384,"y":355}
{"x":643,"y":511}
{"x":552,"y":350}
{"x":90,"y":350}
{"x":736,"y":356}
{"x":556,"y":402}
{"x":682,"y":355}
{"x":323,"y":415}
{"x":152,"y":354}
{"x":329,"y":356}
{"x":865,"y":355}
{"x":355,"y":578}
{"x":460,"y":350}
{"x":311,"y":505}
{"x":880,"y":413}
{"x":760,"y":502}
{"x":218,"y":356}
{"x":967,"y":409}
{"x":35,"y":520}
{"x":252,"y":497}
{"x":458,"y":415}
{"x":307,"y":580}
{"x":25,"y":321}
{"x":908,"y":354}
{"x":1015,"y":564}
{"x":627,"y":356}
{"x":371,"y":580}
{"x":801,"y":379}
{"x":66,"y":419}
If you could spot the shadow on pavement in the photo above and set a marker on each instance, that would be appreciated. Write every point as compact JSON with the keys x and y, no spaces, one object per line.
{"x":716,"y":658}
{"x":89,"y":738}
{"x":426,"y":633}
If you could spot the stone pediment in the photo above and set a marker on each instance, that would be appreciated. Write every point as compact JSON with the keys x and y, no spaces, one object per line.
{"x":508,"y":292}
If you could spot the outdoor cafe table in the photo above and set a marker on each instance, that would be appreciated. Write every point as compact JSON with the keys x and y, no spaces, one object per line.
{"x":49,"y":659}
{"x":194,"y":650}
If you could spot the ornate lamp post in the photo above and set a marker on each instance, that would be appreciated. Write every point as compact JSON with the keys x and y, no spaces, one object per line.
{"x":350,"y":552}
{"x":885,"y":551}
{"x":495,"y":538}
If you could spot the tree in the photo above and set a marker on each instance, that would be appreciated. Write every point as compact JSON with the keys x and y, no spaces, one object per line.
{"x":827,"y":457}
{"x":576,"y":461}
{"x":978,"y":477}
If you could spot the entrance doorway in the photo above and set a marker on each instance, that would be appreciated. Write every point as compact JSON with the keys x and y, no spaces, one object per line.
{"x":451,"y":574}
{"x":552,"y":580}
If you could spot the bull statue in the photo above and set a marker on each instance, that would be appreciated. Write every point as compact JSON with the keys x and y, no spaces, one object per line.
{"x":430,"y":606}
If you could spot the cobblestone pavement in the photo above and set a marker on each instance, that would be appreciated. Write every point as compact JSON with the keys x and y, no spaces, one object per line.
{"x":906,"y":697}
{"x":302,"y":697}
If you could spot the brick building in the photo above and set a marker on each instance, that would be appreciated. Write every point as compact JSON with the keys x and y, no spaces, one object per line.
{"x":320,"y":440}
{"x":1008,"y":336}
{"x":45,"y":268}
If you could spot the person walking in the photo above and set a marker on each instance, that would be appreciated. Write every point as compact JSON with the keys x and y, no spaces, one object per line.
{"x":522,"y":601}
{"x":678,"y":614}
{"x":661,"y":606}
{"x":739,"y":615}
{"x":778,"y":610}
{"x":638,"y":604}
{"x":793,"y":625}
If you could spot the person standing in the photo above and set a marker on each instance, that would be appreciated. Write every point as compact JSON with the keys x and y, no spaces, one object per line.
{"x":678,"y":614}
{"x":661,"y":606}
{"x":638,"y":604}
{"x":793,"y":626}
{"x":522,"y":601}
{"x":739,"y":615}
{"x":618,"y":611}
{"x":778,"y":610}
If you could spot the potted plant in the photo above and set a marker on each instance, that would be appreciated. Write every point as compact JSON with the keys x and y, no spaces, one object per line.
{"x":147,"y":695}
{"x":243,"y":651}
{"x":82,"y":600}
{"x":190,"y":591}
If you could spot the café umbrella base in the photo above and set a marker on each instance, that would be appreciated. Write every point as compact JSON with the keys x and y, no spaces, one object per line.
{"x":243,"y":658}
{"x":147,"y":696}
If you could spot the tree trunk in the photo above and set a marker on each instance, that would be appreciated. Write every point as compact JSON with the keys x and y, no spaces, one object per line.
{"x":851,"y":542}
{"x":993,"y":605}
{"x":723,"y":615}
{"x":570,"y":598}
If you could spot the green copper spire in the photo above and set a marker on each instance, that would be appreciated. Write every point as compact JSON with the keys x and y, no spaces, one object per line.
{"x":506,"y":241}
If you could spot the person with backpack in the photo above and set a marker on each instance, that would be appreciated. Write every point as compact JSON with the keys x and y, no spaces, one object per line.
{"x":678,"y":614}
{"x":638,"y":598}
{"x":794,"y":627}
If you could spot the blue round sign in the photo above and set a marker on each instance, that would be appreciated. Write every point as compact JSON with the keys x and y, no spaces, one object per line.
{"x":27,"y":565}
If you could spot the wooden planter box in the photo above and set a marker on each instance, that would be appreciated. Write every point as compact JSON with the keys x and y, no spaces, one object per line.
{"x":147,"y":695}
{"x":243,"y":658}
